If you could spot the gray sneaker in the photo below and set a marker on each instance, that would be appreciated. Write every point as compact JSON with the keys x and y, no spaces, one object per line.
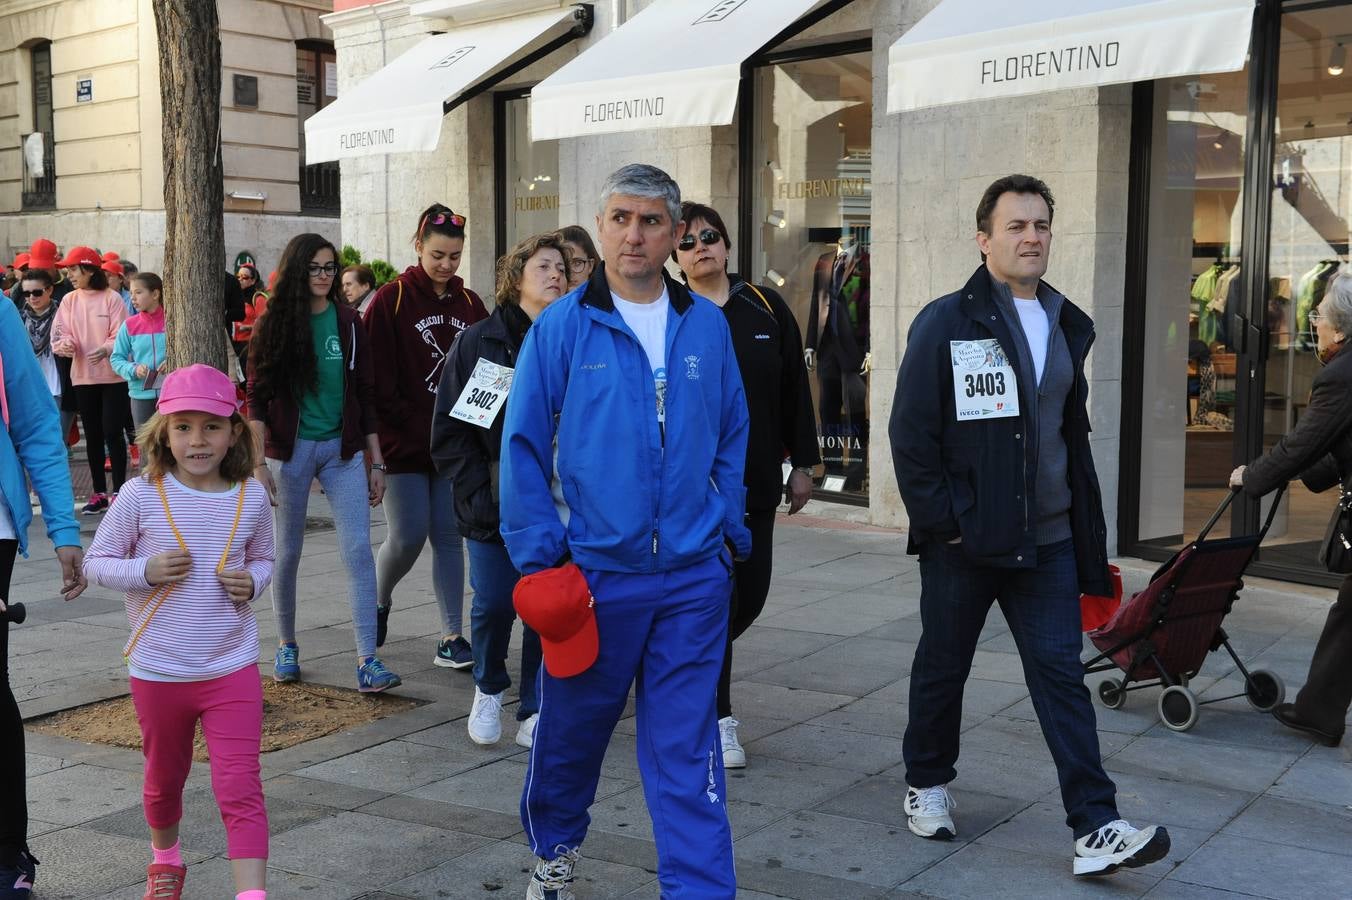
{"x":454,"y":653}
{"x":1118,"y":845}
{"x":553,"y":878}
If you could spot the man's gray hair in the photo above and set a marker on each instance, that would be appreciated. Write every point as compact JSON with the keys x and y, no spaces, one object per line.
{"x":1338,"y":301}
{"x":648,"y":182}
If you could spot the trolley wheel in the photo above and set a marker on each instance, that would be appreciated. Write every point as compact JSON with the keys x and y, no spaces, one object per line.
{"x":1264,"y":690}
{"x":1111,"y":693}
{"x":1178,"y":708}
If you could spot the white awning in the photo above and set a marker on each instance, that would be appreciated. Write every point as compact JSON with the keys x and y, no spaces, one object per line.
{"x":989,"y":49}
{"x":677,"y":63}
{"x":399,"y":108}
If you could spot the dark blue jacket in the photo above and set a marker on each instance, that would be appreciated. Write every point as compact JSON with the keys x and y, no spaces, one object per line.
{"x":976,"y":479}
{"x":582,"y":418}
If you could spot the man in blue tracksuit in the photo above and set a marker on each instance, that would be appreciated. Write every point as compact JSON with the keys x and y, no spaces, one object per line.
{"x":623,"y":450}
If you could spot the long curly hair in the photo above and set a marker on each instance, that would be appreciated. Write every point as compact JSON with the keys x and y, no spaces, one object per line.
{"x":512,"y":265}
{"x":282,"y":351}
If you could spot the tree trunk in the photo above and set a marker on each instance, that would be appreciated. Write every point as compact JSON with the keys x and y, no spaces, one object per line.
{"x":194,"y":235}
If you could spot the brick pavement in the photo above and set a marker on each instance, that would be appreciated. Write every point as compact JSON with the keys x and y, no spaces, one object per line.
{"x":408,"y":807}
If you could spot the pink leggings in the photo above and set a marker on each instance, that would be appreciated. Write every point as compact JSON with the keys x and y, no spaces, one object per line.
{"x":231,"y":710}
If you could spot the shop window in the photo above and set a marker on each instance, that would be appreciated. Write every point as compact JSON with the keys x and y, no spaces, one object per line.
{"x":811,"y":217}
{"x":316,"y":88}
{"x":528,"y":175}
{"x":1228,"y":351}
{"x":39,"y":146}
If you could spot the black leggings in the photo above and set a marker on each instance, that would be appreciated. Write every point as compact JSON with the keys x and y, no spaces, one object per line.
{"x":13,"y":799}
{"x":750,"y":588}
{"x":103,"y":414}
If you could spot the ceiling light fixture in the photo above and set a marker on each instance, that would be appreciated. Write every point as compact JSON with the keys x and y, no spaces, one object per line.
{"x":1221,"y":140}
{"x":776,"y":219}
{"x":1337,"y":58}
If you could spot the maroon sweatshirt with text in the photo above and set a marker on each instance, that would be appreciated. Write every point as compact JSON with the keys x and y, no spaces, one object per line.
{"x":411,"y":330}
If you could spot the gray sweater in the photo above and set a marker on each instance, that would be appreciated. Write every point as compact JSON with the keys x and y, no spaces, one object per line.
{"x":1052,"y":488}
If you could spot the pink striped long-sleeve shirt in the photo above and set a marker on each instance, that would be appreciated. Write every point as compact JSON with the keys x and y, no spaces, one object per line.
{"x":198,"y":632}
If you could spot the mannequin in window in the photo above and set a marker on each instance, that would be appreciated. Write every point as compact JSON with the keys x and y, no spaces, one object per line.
{"x":837,"y":350}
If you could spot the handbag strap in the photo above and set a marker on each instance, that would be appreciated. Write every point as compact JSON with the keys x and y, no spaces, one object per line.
{"x":157,"y":596}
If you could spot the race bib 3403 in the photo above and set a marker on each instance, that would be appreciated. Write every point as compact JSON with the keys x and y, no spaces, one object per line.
{"x":984,"y":384}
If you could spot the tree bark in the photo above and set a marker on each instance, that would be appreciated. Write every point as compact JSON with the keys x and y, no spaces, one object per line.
{"x":194,"y":238}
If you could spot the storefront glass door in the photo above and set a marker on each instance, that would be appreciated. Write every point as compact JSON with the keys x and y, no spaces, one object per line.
{"x":1308,"y":239}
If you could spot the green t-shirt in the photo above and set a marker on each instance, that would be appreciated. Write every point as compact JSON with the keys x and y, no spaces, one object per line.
{"x":321,"y":410}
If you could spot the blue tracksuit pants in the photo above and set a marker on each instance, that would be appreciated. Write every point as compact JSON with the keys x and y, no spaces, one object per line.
{"x":667,"y":631}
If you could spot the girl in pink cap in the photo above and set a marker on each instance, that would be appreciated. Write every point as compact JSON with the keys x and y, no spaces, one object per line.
{"x":190,"y":541}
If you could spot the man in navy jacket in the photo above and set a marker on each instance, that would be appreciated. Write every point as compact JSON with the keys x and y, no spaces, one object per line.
{"x":990,"y":440}
{"x":623,"y":453}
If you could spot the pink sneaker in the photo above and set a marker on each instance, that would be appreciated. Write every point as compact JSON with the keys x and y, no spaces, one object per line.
{"x":164,"y":882}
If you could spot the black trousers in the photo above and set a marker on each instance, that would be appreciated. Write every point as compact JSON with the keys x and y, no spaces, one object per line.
{"x":13,"y":796}
{"x":751,"y":585}
{"x":103,"y":414}
{"x":1327,"y":694}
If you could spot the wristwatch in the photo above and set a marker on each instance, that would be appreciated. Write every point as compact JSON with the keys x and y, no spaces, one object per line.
{"x":379,"y":467}
{"x":806,"y":470}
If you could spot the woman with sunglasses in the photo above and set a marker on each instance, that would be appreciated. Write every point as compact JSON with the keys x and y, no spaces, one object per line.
{"x":312,"y":411}
{"x":769,"y":351}
{"x":413,"y":321}
{"x":582,"y":255}
{"x":255,"y":304}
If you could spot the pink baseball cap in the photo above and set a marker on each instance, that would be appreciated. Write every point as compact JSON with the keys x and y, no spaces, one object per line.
{"x":198,"y":388}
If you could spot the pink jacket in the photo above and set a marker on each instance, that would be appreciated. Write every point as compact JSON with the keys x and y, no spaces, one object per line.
{"x":85,"y":321}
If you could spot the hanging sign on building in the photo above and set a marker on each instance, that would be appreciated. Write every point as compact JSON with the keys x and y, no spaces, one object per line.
{"x":84,"y":89}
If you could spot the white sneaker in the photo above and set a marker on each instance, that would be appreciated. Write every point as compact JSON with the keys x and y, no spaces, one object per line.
{"x":1118,"y":845}
{"x":927,"y":812}
{"x":525,"y":735}
{"x":485,"y":718}
{"x":553,"y":878}
{"x":734,"y":757}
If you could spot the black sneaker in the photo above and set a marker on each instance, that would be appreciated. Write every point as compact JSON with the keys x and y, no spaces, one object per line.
{"x":454,"y":653}
{"x":16,"y":880}
{"x":382,"y":624}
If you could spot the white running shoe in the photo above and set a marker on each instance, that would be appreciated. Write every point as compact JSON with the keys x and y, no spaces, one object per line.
{"x":485,"y":718}
{"x":553,"y":878}
{"x":734,"y":757}
{"x":525,"y":734}
{"x":927,"y":812}
{"x":1118,"y":845}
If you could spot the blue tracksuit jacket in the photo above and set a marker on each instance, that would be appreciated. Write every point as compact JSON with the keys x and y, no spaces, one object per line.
{"x":631,"y":497}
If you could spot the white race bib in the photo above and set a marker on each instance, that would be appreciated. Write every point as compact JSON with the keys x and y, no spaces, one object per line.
{"x":984,"y":385}
{"x":484,"y":395}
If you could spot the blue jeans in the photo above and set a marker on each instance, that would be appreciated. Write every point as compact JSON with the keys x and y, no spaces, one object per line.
{"x":491,"y":615}
{"x":1042,"y":607}
{"x":344,"y":483}
{"x":667,"y":630}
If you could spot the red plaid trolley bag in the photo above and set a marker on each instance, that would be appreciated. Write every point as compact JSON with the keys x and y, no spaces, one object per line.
{"x":1162,"y":635}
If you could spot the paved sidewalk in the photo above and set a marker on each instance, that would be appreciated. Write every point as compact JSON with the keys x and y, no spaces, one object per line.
{"x":408,"y":807}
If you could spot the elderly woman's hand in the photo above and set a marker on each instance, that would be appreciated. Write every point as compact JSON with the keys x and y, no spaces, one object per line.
{"x":1237,"y":478}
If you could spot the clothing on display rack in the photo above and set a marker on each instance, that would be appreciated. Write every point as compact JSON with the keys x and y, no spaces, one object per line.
{"x":1216,"y":295}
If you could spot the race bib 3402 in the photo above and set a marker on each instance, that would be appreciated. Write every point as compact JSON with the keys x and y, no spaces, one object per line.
{"x":484,"y":395}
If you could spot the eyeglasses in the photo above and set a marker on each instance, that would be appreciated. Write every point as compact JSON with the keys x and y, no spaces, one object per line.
{"x":1316,"y":317}
{"x":708,"y":237}
{"x":38,"y":293}
{"x":579,"y":263}
{"x":317,"y":271}
{"x":453,"y":219}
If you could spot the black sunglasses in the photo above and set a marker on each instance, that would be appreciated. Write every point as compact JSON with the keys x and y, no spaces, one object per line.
{"x":38,"y":293}
{"x":708,"y":237}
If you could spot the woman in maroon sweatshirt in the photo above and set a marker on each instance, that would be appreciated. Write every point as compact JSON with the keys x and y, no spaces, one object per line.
{"x":412,"y":322}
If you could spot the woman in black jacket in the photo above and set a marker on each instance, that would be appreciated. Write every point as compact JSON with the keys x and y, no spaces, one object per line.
{"x":1319,"y":451}
{"x":466,"y":443}
{"x":769,"y":351}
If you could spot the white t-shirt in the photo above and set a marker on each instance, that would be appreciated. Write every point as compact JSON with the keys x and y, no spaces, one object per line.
{"x":648,"y":321}
{"x":1037,"y":329}
{"x":6,"y":523}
